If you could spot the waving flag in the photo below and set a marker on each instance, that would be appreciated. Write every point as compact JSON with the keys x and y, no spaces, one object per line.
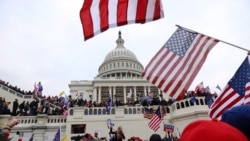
{"x":109,"y":104}
{"x":31,"y":138}
{"x":99,"y":15}
{"x":218,"y":87}
{"x":200,"y":88}
{"x":207,"y":89}
{"x":235,"y":93}
{"x":168,"y":128}
{"x":209,"y":100}
{"x":64,"y":138}
{"x":156,"y":120}
{"x":57,"y":135}
{"x":175,"y":65}
{"x":36,"y":88}
{"x":61,"y":93}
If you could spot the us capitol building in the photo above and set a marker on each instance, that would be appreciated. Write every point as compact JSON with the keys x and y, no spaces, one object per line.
{"x":119,"y":77}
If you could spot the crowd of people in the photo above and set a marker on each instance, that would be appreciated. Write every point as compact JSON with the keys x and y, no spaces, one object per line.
{"x":58,"y":105}
{"x":234,"y":126}
{"x":16,"y":88}
{"x":235,"y":121}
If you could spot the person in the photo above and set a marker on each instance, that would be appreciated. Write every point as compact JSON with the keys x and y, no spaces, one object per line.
{"x":155,"y":137}
{"x":238,"y":117}
{"x":118,"y":134}
{"x":211,"y":130}
{"x":15,"y":107}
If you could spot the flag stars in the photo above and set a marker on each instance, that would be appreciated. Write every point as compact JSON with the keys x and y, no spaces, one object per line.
{"x":179,"y":43}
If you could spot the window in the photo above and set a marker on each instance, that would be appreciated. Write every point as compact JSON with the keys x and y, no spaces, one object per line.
{"x":78,"y":128}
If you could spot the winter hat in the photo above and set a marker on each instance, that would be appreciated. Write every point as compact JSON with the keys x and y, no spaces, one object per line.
{"x":238,"y":117}
{"x":155,"y":137}
{"x":211,"y":130}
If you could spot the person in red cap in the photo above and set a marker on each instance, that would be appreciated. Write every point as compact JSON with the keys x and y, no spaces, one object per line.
{"x":211,"y":130}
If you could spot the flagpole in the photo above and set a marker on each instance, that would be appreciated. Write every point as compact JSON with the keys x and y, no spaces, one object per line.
{"x":219,"y":40}
{"x":60,"y":132}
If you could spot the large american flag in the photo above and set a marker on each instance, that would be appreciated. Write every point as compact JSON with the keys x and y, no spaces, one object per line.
{"x":156,"y":120}
{"x":235,"y":93}
{"x":175,"y":65}
{"x":99,"y":15}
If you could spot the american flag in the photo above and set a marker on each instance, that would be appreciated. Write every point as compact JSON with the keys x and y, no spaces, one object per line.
{"x":99,"y":15}
{"x":156,"y":120}
{"x":149,"y":112}
{"x":235,"y":93}
{"x":175,"y":65}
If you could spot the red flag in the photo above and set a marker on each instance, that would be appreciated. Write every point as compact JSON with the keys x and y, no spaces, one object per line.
{"x":99,"y":15}
{"x":235,"y":93}
{"x":175,"y":65}
{"x":156,"y":120}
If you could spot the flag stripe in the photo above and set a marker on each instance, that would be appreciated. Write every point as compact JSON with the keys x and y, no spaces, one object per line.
{"x":158,"y":10}
{"x":99,"y":15}
{"x":172,"y":73}
{"x":122,"y":9}
{"x":141,"y":11}
{"x":86,"y":19}
{"x":104,"y":15}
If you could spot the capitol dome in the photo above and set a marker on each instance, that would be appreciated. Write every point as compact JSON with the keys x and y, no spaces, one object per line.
{"x":120,"y":62}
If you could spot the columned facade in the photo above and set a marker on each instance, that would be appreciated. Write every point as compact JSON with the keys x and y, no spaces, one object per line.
{"x":120,"y":75}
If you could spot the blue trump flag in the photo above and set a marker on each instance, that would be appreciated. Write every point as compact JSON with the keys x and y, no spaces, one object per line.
{"x":57,"y":135}
{"x":109,"y":104}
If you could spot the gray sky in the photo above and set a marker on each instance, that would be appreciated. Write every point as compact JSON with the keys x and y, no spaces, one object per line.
{"x":43,"y":40}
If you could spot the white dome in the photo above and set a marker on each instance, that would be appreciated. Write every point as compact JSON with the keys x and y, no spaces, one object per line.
{"x":120,"y":60}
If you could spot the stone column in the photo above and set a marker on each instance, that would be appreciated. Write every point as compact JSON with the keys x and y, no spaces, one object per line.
{"x":99,"y":95}
{"x":159,"y":91}
{"x":110,"y":92}
{"x":114,"y":90}
{"x":135,"y":96}
{"x":124,"y":94}
{"x":149,"y":89}
{"x":145,"y":91}
{"x":114,"y":95}
{"x":94,"y":95}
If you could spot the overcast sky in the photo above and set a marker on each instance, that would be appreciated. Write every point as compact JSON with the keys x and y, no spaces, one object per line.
{"x":43,"y":40}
